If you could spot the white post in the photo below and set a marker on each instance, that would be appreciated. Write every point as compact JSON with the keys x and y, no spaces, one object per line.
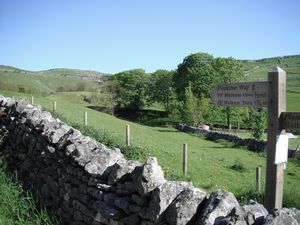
{"x":54,"y":106}
{"x":185,"y":159}
{"x":258,"y":178}
{"x":127,"y":135}
{"x":85,"y":118}
{"x":32,"y":100}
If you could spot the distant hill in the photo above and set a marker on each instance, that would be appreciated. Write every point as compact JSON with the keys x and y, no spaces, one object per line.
{"x":49,"y":81}
{"x":258,"y":69}
{"x":74,"y":73}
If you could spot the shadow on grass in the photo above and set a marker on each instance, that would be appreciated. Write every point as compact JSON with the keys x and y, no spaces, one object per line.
{"x":147,"y":117}
{"x":168,"y":131}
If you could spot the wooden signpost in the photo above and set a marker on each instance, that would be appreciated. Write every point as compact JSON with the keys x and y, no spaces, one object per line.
{"x":271,"y":94}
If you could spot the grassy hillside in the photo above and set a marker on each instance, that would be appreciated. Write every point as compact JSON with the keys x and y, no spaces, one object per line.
{"x":257,"y":70}
{"x":49,"y":81}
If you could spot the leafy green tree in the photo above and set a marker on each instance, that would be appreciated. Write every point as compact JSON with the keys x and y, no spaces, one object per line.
{"x":228,"y":70}
{"x":193,"y":110}
{"x":240,"y":115}
{"x":198,"y":70}
{"x":258,"y":120}
{"x":130,"y":89}
{"x":160,"y":87}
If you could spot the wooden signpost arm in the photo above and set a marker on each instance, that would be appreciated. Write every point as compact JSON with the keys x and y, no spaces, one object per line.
{"x":276,"y":105}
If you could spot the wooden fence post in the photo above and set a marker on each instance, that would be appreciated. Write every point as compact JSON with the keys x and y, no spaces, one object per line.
{"x":54,"y":106}
{"x":85,"y":118}
{"x":276,"y":105}
{"x":258,"y":178}
{"x":32,"y":100}
{"x":13,"y":97}
{"x":185,"y":159}
{"x":127,"y":135}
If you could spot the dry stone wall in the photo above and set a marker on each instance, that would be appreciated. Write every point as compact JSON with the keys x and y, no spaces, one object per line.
{"x":252,"y":144}
{"x":85,"y":182}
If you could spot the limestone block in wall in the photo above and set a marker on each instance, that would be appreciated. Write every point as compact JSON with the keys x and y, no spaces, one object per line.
{"x":139,"y":200}
{"x":108,"y":211}
{"x":148,"y":177}
{"x":132,"y":220}
{"x":95,"y":157}
{"x":6,"y":102}
{"x":96,"y":193}
{"x":134,"y":208}
{"x":255,"y":213}
{"x":115,"y":222}
{"x":123,"y":203}
{"x":100,"y":219}
{"x":68,"y":139}
{"x":121,"y":171}
{"x":55,"y":131}
{"x":160,"y":199}
{"x":217,"y":208}
{"x":185,"y":206}
{"x":102,"y":159}
{"x":146,"y":222}
{"x":283,"y":216}
{"x":110,"y":198}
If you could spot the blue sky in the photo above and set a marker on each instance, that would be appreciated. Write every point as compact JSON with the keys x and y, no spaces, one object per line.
{"x":116,"y":35}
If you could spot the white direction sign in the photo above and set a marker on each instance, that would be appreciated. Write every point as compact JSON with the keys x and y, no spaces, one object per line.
{"x":250,"y":94}
{"x":281,"y":150}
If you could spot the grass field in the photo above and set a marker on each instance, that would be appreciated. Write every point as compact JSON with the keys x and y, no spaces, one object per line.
{"x":18,"y":207}
{"x":210,"y":163}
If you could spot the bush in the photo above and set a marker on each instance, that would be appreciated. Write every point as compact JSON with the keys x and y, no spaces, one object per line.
{"x":21,"y":88}
{"x":239,"y":166}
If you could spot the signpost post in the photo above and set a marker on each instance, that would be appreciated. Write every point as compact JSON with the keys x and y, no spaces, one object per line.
{"x":271,"y":94}
{"x":276,"y":105}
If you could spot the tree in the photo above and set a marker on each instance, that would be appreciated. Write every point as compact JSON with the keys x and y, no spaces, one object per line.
{"x":130,"y":88}
{"x":193,"y":110}
{"x":228,"y":70}
{"x":198,"y":70}
{"x":258,"y":119}
{"x":160,"y":87}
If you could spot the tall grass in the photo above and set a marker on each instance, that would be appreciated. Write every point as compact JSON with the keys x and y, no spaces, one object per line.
{"x":19,"y":207}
